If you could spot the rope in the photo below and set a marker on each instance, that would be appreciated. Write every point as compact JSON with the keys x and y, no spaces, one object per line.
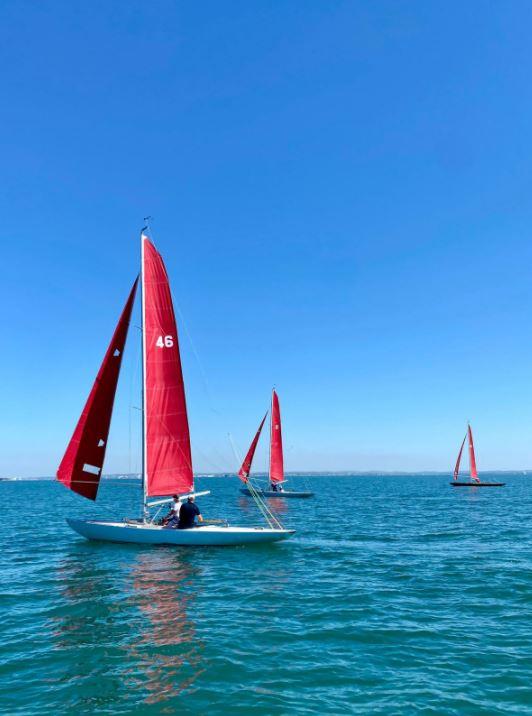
{"x":270,"y":517}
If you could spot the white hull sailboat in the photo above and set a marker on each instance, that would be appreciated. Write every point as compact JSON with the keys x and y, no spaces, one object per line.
{"x":166,"y":453}
{"x":276,"y":471}
{"x":473,"y":472}
{"x":203,"y":535}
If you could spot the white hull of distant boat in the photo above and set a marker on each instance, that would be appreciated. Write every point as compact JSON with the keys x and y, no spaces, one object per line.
{"x":278,"y":493}
{"x":148,"y":533}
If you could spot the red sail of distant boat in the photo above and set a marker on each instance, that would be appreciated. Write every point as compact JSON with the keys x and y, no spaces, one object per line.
{"x":244,"y":471}
{"x":276,"y":443}
{"x":81,"y":466}
{"x":168,"y":460}
{"x":472,"y":461}
{"x":459,"y":458}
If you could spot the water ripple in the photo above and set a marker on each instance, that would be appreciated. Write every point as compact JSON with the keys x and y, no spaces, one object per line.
{"x":404,"y":596}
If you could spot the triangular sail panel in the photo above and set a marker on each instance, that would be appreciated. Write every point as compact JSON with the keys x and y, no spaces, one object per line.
{"x":168,"y":461}
{"x":276,"y":443}
{"x":472,"y":461}
{"x":459,"y":458}
{"x":244,"y":471}
{"x":81,"y":467}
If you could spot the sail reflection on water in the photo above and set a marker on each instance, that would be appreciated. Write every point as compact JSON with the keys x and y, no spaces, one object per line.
{"x":166,"y":654}
{"x":135,"y":612}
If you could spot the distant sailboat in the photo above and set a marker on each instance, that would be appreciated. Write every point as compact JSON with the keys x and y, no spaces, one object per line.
{"x":475,"y":480}
{"x":276,"y":472}
{"x":166,"y":454}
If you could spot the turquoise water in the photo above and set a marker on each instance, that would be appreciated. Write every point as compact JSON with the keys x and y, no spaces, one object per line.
{"x":396,"y":596}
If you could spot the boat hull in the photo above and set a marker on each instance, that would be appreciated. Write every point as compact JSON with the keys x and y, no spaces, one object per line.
{"x":273,"y":493}
{"x":208,"y":536}
{"x":477,"y":484}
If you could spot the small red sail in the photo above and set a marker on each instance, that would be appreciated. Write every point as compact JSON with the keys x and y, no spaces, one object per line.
{"x":276,"y":443}
{"x":81,"y":466}
{"x":459,"y":458}
{"x":168,"y":461}
{"x":244,"y":471}
{"x":472,"y":461}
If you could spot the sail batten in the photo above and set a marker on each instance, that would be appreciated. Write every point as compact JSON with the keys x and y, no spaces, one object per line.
{"x":244,"y":471}
{"x":81,"y":466}
{"x":168,"y":460}
{"x":276,"y":443}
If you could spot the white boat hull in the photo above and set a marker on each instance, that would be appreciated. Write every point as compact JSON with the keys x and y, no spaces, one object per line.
{"x":208,"y":536}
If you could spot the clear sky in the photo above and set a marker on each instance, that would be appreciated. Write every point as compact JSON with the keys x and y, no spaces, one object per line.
{"x":342,"y":194}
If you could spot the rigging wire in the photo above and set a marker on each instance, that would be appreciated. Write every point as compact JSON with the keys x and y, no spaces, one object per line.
{"x":268,"y":514}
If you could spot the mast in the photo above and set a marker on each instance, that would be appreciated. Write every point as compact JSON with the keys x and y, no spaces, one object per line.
{"x":143,"y":352}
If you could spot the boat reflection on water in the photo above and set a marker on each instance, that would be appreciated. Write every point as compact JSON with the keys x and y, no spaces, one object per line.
{"x":130,"y":609}
{"x":166,"y":653}
{"x":277,"y":505}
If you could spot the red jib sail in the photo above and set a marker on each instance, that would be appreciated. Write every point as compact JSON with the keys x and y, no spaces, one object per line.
{"x":244,"y":471}
{"x":81,"y":466}
{"x":472,"y":461}
{"x":168,"y":462}
{"x":276,"y":443}
{"x":459,"y":458}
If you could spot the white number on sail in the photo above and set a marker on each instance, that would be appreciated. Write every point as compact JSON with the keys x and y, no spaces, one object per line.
{"x":164,"y":342}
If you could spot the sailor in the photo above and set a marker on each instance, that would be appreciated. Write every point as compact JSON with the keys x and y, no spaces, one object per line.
{"x":172,"y":518}
{"x":189,"y":511}
{"x":274,"y":487}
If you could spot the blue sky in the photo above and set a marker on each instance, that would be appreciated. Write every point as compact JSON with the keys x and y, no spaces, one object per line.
{"x":341,"y":191}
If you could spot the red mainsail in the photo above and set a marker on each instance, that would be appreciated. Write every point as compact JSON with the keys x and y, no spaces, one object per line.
{"x":472,"y":461}
{"x":168,"y":461}
{"x":276,"y":443}
{"x":244,"y":471}
{"x":459,"y":458}
{"x":82,"y":463}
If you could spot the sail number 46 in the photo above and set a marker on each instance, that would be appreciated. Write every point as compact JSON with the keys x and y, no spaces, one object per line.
{"x":164,"y":342}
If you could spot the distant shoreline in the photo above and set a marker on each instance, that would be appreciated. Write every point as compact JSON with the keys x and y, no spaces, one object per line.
{"x":321,"y":473}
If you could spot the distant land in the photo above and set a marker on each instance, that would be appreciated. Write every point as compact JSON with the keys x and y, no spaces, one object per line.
{"x":321,"y":473}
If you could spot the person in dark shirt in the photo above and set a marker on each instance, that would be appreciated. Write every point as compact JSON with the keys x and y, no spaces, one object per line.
{"x":189,"y":511}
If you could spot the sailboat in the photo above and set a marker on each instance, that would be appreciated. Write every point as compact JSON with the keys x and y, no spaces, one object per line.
{"x":166,"y":453}
{"x":475,"y":480}
{"x":276,"y":473}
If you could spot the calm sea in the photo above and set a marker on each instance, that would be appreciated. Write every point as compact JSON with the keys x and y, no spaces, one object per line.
{"x":397,"y":595}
